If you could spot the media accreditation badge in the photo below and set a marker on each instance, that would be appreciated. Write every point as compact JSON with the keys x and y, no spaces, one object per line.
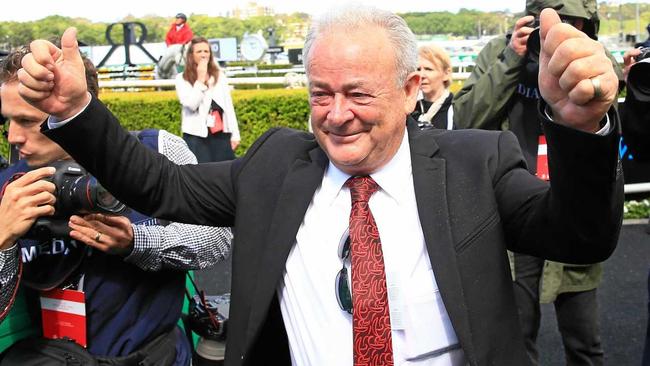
{"x":64,"y":315}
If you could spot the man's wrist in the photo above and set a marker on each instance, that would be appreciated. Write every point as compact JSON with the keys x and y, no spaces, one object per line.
{"x":6,"y":242}
{"x":76,"y":109}
{"x":602,"y":128}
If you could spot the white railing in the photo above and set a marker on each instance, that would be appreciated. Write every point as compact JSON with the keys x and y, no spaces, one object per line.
{"x":637,"y":188}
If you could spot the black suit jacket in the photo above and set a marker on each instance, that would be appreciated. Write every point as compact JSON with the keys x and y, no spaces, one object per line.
{"x":474,"y":194}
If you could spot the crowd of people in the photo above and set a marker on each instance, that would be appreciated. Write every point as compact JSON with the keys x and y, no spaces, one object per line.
{"x":399,"y":232}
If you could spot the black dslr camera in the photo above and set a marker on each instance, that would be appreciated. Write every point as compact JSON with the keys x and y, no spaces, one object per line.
{"x":77,"y":192}
{"x":638,"y":79}
{"x":533,"y":43}
{"x":205,"y":319}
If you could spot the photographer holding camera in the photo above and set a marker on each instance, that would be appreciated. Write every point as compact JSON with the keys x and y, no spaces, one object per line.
{"x":95,"y":279}
{"x":502,"y":93}
{"x":635,"y":113}
{"x":635,"y":121}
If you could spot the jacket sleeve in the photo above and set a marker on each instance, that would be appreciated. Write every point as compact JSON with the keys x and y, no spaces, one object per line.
{"x":190,"y":96}
{"x":579,"y":218}
{"x":143,"y":179}
{"x":178,"y":246}
{"x":482,"y":101}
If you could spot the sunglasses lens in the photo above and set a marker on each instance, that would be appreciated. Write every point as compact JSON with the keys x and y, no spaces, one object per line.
{"x":343,"y":294}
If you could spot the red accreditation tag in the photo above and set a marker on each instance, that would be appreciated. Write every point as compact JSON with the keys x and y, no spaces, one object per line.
{"x":542,"y":159}
{"x":64,"y":315}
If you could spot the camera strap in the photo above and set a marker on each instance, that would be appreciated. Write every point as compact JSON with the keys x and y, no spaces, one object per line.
{"x":13,"y":178}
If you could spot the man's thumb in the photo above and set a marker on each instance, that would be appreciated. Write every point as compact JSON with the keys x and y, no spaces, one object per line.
{"x":69,"y":45}
{"x":547,"y":19}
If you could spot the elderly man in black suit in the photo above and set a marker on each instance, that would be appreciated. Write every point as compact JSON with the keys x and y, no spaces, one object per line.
{"x":418,"y":220}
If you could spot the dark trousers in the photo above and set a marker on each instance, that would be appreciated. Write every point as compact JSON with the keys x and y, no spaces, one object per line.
{"x":214,"y":147}
{"x":576,"y":312}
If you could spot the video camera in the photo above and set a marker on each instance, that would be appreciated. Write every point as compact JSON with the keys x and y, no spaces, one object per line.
{"x":638,"y":79}
{"x":77,"y":192}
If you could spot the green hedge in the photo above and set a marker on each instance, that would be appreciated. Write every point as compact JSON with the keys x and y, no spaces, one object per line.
{"x":637,"y":209}
{"x":257,"y":111}
{"x":4,"y":146}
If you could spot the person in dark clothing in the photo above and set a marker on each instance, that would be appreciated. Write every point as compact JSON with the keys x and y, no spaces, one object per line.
{"x":434,"y":110}
{"x":635,"y":122}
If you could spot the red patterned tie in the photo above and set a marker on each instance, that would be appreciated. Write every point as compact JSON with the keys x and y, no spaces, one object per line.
{"x":373,"y":345}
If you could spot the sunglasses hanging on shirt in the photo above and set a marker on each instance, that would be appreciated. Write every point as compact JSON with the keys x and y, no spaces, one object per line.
{"x":343,"y":285}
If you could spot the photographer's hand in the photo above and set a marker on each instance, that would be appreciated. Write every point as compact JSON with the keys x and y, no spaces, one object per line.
{"x":24,"y":200}
{"x":110,"y":234}
{"x":520,"y":35}
{"x":576,"y":78}
{"x":54,"y":80}
{"x":628,"y":60}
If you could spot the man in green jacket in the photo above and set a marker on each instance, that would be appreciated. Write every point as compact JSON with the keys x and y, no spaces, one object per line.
{"x":502,"y":93}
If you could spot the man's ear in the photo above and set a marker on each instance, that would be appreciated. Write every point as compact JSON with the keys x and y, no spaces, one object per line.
{"x":411,"y":87}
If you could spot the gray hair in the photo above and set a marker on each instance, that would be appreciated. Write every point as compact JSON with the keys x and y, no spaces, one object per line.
{"x":353,"y":16}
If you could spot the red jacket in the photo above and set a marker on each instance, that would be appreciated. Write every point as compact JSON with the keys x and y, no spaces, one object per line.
{"x":181,"y":36}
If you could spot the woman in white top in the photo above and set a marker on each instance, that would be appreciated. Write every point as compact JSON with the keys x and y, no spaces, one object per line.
{"x":434,"y":110}
{"x":209,"y":123}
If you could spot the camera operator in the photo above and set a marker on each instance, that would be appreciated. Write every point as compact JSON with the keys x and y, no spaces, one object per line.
{"x":128,"y":313}
{"x":635,"y":121}
{"x":502,"y":93}
{"x":635,"y":113}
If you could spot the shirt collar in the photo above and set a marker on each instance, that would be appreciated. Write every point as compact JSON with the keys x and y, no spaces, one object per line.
{"x":392,"y":177}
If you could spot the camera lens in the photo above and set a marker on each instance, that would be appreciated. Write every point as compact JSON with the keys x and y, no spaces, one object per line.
{"x":638,"y":82}
{"x":106,"y":201}
{"x":79,"y":193}
{"x":533,"y":45}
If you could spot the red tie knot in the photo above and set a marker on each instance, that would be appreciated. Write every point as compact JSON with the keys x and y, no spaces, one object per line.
{"x":361,"y":188}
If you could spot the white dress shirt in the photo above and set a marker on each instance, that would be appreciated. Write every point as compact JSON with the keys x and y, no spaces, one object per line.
{"x":319,"y":332}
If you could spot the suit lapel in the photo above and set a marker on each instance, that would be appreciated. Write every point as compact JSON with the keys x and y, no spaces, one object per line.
{"x":296,"y":193}
{"x":431,"y":188}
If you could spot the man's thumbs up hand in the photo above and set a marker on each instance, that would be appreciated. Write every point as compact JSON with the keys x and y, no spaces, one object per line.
{"x":576,"y":78}
{"x":54,"y":80}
